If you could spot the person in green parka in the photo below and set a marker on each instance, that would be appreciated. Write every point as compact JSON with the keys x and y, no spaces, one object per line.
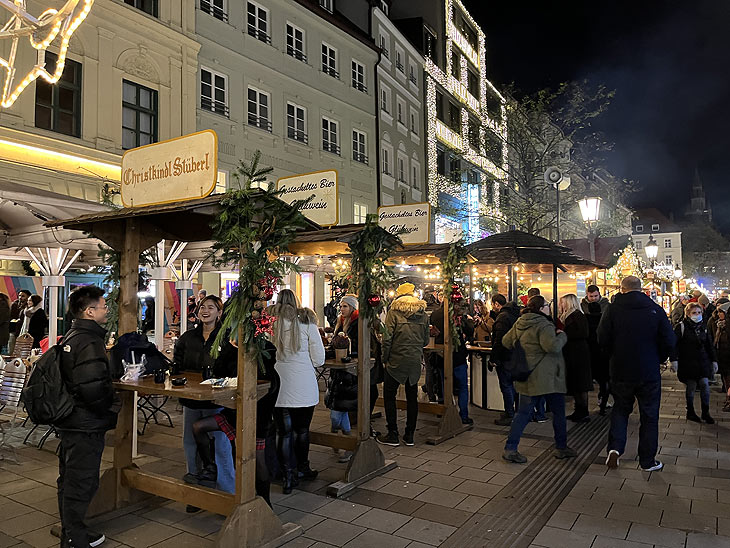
{"x":406,"y":333}
{"x":542,"y":344}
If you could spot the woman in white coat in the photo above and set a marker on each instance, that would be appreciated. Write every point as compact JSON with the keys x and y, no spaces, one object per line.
{"x":299,"y":350}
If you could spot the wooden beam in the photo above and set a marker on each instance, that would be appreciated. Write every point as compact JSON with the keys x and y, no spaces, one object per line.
{"x":129,"y":278}
{"x":427,"y":407}
{"x":214,"y":501}
{"x":328,"y":439}
{"x":246,"y":423}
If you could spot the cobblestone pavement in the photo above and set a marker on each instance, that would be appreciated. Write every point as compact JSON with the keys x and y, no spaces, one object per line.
{"x":436,"y":494}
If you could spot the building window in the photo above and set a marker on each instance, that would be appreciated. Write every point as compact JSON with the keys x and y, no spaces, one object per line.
{"x":399,"y":60}
{"x":384,"y":46}
{"x":400,"y":111}
{"x":358,"y":76}
{"x":440,"y":106}
{"x":384,"y":7}
{"x":412,"y":74}
{"x":213,"y":94}
{"x":216,"y":8}
{"x":639,"y":228}
{"x":403,"y":197}
{"x":58,"y":106}
{"x":385,"y":100}
{"x":295,"y":42}
{"x":259,"y":109}
{"x":402,"y":170}
{"x":474,"y":137}
{"x":329,"y":60}
{"x":655,"y":228}
{"x":258,"y":22}
{"x":386,"y":161}
{"x":414,"y":122}
{"x":639,"y":245}
{"x":455,"y":117}
{"x":667,"y":243}
{"x":441,"y":161}
{"x":327,"y":4}
{"x":415,"y":174}
{"x":330,"y":139}
{"x":360,"y":213}
{"x":147,"y":6}
{"x":221,"y":182}
{"x":473,"y":83}
{"x":668,"y":260}
{"x":359,"y":147}
{"x":139,"y":115}
{"x":456,"y":64}
{"x":296,"y":123}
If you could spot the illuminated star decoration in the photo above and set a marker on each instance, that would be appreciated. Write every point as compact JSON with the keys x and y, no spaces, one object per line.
{"x":41,"y":32}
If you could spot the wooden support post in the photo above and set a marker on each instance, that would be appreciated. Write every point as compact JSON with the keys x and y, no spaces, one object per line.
{"x":450,"y":424}
{"x":555,"y":293}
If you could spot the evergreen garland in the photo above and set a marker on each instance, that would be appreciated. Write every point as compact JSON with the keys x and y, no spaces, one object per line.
{"x":253,"y":229}
{"x":371,"y":249}
{"x":452,"y":267}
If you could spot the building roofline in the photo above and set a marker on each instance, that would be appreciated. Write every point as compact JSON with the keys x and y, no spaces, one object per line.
{"x":341,"y":22}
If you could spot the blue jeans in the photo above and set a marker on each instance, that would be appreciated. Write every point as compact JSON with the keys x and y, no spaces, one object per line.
{"x":509,"y":394}
{"x":539,"y":402}
{"x":340,"y":421}
{"x":461,"y":389}
{"x":524,"y":416}
{"x":223,"y":452}
{"x":692,"y":385}
{"x":648,"y":394}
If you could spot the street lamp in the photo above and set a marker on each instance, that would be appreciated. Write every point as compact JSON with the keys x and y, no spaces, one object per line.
{"x":652,"y":249}
{"x":590,"y":209}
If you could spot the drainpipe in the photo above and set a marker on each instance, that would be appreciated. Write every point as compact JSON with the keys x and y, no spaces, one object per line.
{"x":377,"y":114}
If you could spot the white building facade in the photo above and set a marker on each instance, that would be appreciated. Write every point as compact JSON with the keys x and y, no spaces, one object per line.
{"x":295,"y":81}
{"x":650,"y":223}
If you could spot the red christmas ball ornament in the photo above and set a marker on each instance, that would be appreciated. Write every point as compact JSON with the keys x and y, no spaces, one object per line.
{"x":374,"y":300}
{"x":269,"y":293}
{"x":265,"y":322}
{"x":456,"y":296}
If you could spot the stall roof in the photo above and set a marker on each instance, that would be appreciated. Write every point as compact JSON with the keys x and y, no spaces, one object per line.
{"x":187,"y":221}
{"x":25,"y":209}
{"x":535,"y":252}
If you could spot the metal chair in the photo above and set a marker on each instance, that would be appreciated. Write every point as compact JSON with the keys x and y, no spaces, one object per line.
{"x":14,"y":375}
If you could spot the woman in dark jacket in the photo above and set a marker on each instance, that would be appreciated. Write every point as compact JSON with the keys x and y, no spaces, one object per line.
{"x":192,"y":353}
{"x":599,"y":358}
{"x":4,"y":322}
{"x":693,"y":360}
{"x":722,"y":348}
{"x":346,"y":323}
{"x":577,"y":354}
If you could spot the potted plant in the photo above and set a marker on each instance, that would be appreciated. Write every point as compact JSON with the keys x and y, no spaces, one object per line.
{"x":341,"y":344}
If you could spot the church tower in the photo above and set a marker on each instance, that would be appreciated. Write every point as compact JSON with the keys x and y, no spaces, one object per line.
{"x":699,"y":209}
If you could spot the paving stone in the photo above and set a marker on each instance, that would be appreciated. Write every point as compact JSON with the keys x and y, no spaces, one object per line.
{"x":441,"y":481}
{"x":551,"y":537}
{"x":648,"y":516}
{"x":689,"y":522}
{"x":406,"y":506}
{"x":334,"y":532}
{"x":376,"y":539}
{"x":466,"y":472}
{"x":629,"y":498}
{"x":501,"y":478}
{"x":562,"y":519}
{"x":201,"y":524}
{"x":440,"y":456}
{"x":651,"y":534}
{"x":598,"y":508}
{"x":440,"y":514}
{"x":607,"y":542}
{"x":698,"y":493}
{"x":17,"y":486}
{"x":305,"y":519}
{"x":472,"y":503}
{"x":6,"y":541}
{"x":445,"y":468}
{"x":147,"y":534}
{"x":425,"y":531}
{"x":645,"y":487}
{"x":410,"y":462}
{"x":442,"y":497}
{"x":665,"y":503}
{"x":186,"y":540}
{"x":372,"y":498}
{"x":26,"y":523}
{"x":405,"y":474}
{"x":702,"y":540}
{"x":382,"y":520}
{"x":376,"y":483}
{"x":404,"y":489}
{"x":478,"y":488}
{"x":471,"y":462}
{"x":306,"y":502}
{"x":710,"y":508}
{"x":40,"y":538}
{"x":601,"y":526}
{"x":299,"y":542}
{"x":342,"y":510}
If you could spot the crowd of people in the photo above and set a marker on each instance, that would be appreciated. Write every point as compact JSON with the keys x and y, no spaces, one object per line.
{"x":618,"y":345}
{"x":23,"y":316}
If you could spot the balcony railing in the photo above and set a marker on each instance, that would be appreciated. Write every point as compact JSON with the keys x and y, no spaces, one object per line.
{"x":331,"y":71}
{"x":358,"y":85}
{"x":413,"y":80}
{"x":259,"y":122}
{"x":215,"y":11}
{"x":329,"y":146}
{"x":399,"y":66}
{"x":259,"y":34}
{"x":219,"y":107}
{"x":386,"y":53}
{"x":296,"y":53}
{"x":297,"y":135}
{"x":359,"y":157}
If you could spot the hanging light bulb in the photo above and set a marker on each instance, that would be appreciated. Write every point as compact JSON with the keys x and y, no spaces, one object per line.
{"x":426,"y":261}
{"x":319,"y":260}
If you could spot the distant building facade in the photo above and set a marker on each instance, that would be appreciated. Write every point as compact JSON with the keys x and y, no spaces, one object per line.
{"x":668,"y":236}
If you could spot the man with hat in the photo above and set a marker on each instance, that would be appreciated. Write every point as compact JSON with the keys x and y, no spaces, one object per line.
{"x":406,"y":333}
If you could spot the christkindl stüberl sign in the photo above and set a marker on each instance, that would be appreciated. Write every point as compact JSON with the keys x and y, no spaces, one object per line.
{"x":321,"y":187}
{"x":184,"y":168}
{"x":412,"y":222}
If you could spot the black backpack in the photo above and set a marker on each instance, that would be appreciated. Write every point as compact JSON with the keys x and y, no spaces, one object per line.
{"x":517,"y":365}
{"x":141,"y":346}
{"x":45,"y":396}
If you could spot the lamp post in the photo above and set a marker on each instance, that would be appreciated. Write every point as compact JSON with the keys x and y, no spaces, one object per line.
{"x":590,"y":209}
{"x":651,"y":249}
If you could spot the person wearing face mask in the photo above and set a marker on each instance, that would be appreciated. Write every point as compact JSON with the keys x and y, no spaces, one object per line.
{"x":192,"y":353}
{"x":694,"y":361}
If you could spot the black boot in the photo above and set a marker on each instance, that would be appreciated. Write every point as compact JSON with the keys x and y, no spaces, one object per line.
{"x":208,"y":476}
{"x":706,"y":415}
{"x":691,"y":415}
{"x":305,"y":472}
{"x":291,"y":480}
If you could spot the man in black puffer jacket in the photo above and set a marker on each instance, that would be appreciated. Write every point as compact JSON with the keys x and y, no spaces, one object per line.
{"x":507,"y":315}
{"x":88,"y":377}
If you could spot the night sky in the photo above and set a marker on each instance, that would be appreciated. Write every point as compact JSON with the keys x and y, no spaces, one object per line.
{"x":669,"y":63}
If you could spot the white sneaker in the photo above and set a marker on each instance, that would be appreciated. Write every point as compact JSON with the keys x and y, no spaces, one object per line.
{"x":96,"y":539}
{"x":658,"y":465}
{"x":612,"y":459}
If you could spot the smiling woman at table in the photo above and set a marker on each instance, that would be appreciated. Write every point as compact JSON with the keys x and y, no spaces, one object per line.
{"x":192,"y":353}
